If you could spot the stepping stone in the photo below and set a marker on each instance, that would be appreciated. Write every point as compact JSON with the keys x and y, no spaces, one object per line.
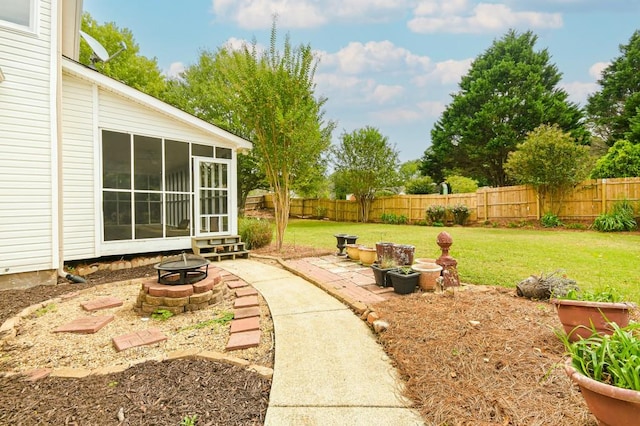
{"x":236,"y":284}
{"x":37,"y":374}
{"x":246,"y":291}
{"x":246,"y":302}
{"x":102,"y":303}
{"x":247,"y":339}
{"x":138,"y":338}
{"x":85,"y":325}
{"x":245,"y":324}
{"x":254,"y":311}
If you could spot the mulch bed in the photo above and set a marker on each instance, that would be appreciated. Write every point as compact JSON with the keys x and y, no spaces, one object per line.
{"x":158,"y":393}
{"x":152,"y":393}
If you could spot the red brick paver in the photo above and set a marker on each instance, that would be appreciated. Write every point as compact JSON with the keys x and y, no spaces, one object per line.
{"x":236,"y":284}
{"x":247,"y":339}
{"x":101,"y":303}
{"x":245,"y":302}
{"x":246,"y":291}
{"x":245,"y":324}
{"x":85,"y":325}
{"x":246,"y":312}
{"x":138,"y":338}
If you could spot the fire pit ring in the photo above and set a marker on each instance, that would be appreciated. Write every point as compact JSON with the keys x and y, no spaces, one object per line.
{"x":182,"y":269}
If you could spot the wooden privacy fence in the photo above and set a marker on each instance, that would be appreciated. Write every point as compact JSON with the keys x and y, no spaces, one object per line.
{"x":584,"y":203}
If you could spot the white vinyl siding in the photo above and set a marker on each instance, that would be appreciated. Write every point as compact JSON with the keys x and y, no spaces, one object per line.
{"x":78,"y":161}
{"x":26,"y":148}
{"x":120,"y":114}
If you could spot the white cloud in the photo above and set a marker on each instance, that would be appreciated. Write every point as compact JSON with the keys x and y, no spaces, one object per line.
{"x":383,"y":93}
{"x":175,"y":69}
{"x":447,"y":72}
{"x":579,"y":91}
{"x":258,"y":14}
{"x":373,"y":56}
{"x":431,"y":108}
{"x":397,"y":116}
{"x":252,"y":14}
{"x":596,"y":69}
{"x":413,"y":114}
{"x":461,"y":16}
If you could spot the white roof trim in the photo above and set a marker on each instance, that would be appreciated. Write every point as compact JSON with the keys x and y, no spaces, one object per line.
{"x":122,"y":89}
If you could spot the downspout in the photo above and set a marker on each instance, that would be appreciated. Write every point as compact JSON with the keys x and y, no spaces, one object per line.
{"x":60,"y":169}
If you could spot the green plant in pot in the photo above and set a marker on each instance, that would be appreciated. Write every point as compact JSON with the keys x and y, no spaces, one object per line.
{"x":583,"y":312}
{"x":607,"y":370}
{"x":381,"y":269}
{"x":404,"y":279}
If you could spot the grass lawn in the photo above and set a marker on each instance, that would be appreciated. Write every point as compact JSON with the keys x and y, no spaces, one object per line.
{"x":500,"y":256}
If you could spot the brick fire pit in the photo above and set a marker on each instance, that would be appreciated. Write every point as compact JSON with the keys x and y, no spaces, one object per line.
{"x":180,"y":298}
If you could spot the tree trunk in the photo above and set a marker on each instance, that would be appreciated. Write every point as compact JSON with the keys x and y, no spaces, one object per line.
{"x":281,"y":207}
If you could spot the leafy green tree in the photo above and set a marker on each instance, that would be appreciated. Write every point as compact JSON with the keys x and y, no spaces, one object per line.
{"x":420,"y":185}
{"x":409,"y":170}
{"x":272,"y":94}
{"x":622,"y":160}
{"x":461,"y":185}
{"x":197,"y":93}
{"x":612,"y":109}
{"x":509,"y":90}
{"x":128,"y":66}
{"x":366,"y":162}
{"x":551,"y":161}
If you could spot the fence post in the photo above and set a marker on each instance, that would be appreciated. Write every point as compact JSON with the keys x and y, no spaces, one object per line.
{"x":486,"y":204}
{"x":603,"y":190}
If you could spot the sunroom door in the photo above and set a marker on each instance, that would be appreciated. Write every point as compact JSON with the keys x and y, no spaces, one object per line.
{"x":212,"y":196}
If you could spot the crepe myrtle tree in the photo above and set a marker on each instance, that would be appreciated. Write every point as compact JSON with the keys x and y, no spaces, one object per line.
{"x":271,"y":92}
{"x":366,"y":163}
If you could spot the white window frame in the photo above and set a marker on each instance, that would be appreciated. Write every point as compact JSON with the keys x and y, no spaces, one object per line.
{"x":34,"y":7}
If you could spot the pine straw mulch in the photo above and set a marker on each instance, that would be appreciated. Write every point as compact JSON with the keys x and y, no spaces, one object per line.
{"x":503,"y":370}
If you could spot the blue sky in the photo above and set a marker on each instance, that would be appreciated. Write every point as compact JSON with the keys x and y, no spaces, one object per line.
{"x":390,"y":64}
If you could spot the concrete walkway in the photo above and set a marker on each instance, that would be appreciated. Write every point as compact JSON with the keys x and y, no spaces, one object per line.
{"x":328,"y":368}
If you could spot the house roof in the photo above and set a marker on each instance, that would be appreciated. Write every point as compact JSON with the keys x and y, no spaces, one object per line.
{"x":108,"y":83}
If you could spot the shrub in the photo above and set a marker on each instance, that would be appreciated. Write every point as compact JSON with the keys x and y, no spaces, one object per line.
{"x":255,"y":233}
{"x":461,"y":184}
{"x":394,"y":219}
{"x":550,"y":220}
{"x":460,"y":214}
{"x":436,"y":213}
{"x":420,"y":185}
{"x":620,"y":219}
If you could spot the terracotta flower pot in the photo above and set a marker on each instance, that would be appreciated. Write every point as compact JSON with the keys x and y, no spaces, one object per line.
{"x":424,"y":260}
{"x":609,"y":404}
{"x":579,"y":316}
{"x":367,"y":255}
{"x":429,"y":274}
{"x":353,"y":251}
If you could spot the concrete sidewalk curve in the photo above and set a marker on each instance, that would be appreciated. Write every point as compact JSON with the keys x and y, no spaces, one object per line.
{"x":328,"y":368}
